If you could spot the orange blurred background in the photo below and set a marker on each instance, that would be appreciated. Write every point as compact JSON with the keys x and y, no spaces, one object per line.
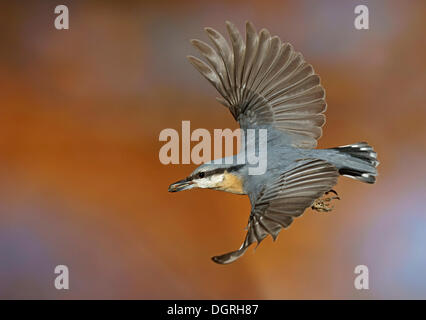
{"x":81,"y":183}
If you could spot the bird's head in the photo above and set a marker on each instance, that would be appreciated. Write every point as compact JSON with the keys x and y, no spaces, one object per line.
{"x":212,"y":176}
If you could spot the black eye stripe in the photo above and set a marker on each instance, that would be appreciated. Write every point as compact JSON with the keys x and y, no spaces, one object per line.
{"x":215,"y":171}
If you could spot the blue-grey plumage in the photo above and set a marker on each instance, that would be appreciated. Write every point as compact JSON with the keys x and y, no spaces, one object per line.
{"x":267,"y":85}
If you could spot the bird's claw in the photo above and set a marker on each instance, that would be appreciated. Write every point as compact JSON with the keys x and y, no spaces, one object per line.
{"x":332,"y":191}
{"x":324,"y":204}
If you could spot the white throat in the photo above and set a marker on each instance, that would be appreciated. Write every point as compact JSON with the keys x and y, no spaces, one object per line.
{"x":211,"y":181}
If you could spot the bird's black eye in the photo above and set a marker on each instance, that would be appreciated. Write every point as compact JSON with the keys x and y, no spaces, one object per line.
{"x":201,"y":175}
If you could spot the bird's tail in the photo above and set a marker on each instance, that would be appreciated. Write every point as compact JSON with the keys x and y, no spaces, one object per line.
{"x":359,"y":161}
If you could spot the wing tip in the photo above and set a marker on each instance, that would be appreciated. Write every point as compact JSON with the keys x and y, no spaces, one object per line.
{"x":228,"y":23}
{"x":192,"y":59}
{"x":211,"y":32}
{"x":250,"y":27}
{"x":265,"y":32}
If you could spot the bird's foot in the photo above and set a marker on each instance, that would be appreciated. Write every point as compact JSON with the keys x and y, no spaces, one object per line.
{"x":324,"y":204}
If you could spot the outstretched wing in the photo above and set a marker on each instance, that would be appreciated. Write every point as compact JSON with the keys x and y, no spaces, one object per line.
{"x":264,"y":82}
{"x":285,"y":199}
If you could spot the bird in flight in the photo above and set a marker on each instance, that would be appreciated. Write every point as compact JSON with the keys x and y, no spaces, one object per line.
{"x":266,"y":84}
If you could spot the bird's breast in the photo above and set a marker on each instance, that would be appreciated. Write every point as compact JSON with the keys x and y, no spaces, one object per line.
{"x":231,"y":183}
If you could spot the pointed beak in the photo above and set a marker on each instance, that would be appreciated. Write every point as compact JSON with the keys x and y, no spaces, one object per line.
{"x":181,"y":185}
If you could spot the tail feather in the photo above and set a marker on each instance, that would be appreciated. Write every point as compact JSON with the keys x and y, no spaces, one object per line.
{"x":362,"y":162}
